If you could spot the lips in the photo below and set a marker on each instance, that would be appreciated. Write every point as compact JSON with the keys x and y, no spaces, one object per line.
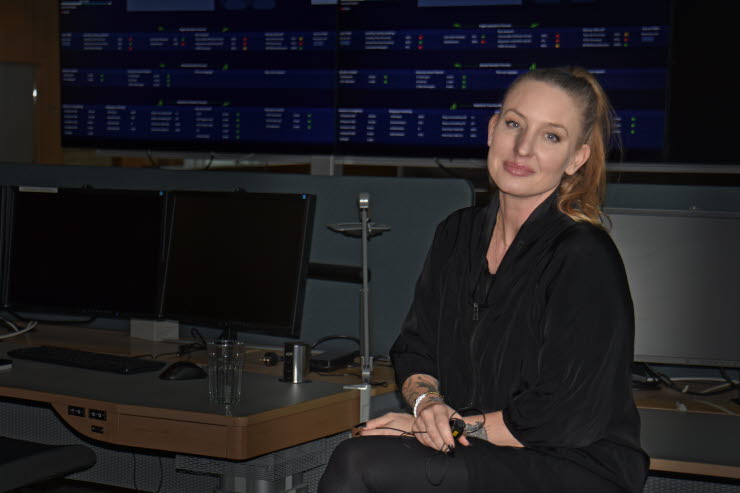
{"x":517,"y":169}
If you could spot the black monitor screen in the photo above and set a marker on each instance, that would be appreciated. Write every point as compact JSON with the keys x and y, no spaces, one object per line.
{"x":684,"y":275}
{"x":239,"y":260}
{"x":77,"y":251}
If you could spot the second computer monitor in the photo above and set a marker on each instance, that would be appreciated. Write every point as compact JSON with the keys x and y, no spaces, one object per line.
{"x":238,"y":260}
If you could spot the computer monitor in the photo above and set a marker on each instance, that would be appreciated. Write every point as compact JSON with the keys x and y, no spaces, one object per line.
{"x":684,"y":274}
{"x":238,"y":260}
{"x":84,"y":251}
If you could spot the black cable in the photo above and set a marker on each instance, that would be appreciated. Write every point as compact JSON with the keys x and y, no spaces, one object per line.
{"x":666,"y":380}
{"x":447,"y":170}
{"x":196,"y":333}
{"x":161,"y":475}
{"x":151,"y":158}
{"x":732,"y":383}
{"x":333,"y":337}
{"x":729,"y":380}
{"x":471,"y":411}
{"x":208,"y":166}
{"x":133,"y":455}
{"x":161,"y":472}
{"x":446,"y":454}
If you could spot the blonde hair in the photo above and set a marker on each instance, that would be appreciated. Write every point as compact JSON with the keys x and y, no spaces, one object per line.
{"x":581,"y":195}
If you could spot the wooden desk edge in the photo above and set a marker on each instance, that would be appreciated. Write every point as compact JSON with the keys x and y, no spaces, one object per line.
{"x":697,"y":468}
{"x":190,"y":432}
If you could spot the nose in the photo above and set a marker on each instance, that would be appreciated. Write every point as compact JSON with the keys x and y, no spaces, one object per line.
{"x":524,"y":144}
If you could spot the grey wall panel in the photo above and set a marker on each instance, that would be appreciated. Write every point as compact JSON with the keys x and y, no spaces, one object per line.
{"x":16,"y":111}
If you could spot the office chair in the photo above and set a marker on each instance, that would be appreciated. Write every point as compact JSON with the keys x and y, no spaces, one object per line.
{"x":24,"y":463}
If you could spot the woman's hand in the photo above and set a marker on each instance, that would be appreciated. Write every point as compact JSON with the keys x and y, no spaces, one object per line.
{"x":388,"y":424}
{"x":432,"y":427}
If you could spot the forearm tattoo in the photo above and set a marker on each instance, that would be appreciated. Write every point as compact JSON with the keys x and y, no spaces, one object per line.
{"x":416,"y":385}
{"x":476,"y":430}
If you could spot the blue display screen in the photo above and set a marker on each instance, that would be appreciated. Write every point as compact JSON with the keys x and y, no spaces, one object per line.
{"x":378,"y":78}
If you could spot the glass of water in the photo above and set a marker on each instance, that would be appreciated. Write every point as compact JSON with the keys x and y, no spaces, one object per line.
{"x":225,"y":368}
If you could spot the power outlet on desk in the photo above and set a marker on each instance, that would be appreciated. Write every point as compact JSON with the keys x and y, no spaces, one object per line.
{"x":76,"y":411}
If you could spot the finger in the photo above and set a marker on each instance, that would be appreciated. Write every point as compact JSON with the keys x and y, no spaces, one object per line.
{"x":442,"y":421}
{"x":463,"y":440}
{"x":380,"y":431}
{"x":437,"y":425}
{"x":420,"y":432}
{"x":381,"y":421}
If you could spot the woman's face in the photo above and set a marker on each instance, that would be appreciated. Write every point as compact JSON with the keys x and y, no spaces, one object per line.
{"x":534,"y":140}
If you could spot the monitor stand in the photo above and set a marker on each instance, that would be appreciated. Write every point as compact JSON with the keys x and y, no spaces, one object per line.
{"x":228,"y":334}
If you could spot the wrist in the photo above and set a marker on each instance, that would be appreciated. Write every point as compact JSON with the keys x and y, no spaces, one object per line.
{"x":475,"y":427}
{"x":425,"y":399}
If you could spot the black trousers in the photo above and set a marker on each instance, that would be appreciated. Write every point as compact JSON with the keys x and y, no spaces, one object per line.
{"x":384,"y":464}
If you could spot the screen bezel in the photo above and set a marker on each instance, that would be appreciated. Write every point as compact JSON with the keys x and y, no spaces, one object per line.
{"x":119,"y":310}
{"x":292,"y":329}
{"x":662,"y":331}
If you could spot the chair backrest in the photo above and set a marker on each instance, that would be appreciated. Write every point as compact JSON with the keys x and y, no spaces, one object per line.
{"x":23,"y":463}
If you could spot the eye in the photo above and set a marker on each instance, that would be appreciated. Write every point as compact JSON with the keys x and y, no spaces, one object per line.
{"x":552,"y":137}
{"x":512,"y":124}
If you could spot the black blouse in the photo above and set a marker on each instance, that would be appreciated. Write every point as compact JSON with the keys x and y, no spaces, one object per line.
{"x":548,"y":340}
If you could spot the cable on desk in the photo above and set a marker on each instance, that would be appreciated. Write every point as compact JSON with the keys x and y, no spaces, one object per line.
{"x":732,"y":383}
{"x":716,"y":406}
{"x":16,"y":330}
{"x":333,"y":337}
{"x":671,"y":384}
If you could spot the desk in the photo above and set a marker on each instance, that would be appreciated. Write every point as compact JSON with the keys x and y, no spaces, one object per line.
{"x":143,"y":411}
{"x":176,"y":416}
{"x":690,"y":434}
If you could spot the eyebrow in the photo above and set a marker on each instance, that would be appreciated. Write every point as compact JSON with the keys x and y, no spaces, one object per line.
{"x":549,"y":124}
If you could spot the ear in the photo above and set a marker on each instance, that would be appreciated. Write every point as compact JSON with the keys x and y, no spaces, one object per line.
{"x":579,"y":159}
{"x":491,"y":125}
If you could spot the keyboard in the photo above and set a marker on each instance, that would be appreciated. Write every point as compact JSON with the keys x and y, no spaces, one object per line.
{"x":89,"y":360}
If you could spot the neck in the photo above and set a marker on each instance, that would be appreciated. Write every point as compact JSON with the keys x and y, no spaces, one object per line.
{"x":512,"y":213}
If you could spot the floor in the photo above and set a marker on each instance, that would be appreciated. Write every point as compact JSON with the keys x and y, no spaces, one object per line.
{"x":657,"y":483}
{"x":69,"y":486}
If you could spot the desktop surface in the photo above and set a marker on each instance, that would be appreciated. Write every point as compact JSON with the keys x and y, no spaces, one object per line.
{"x":260,"y":393}
{"x":142,"y":410}
{"x":680,"y":432}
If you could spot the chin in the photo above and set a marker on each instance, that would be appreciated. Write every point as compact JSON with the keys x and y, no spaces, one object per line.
{"x":515,"y":185}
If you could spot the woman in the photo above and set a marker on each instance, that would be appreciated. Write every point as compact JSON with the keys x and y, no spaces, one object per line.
{"x":522,"y":321}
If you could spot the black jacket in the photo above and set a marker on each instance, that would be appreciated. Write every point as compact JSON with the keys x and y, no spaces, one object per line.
{"x":552,"y":345}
